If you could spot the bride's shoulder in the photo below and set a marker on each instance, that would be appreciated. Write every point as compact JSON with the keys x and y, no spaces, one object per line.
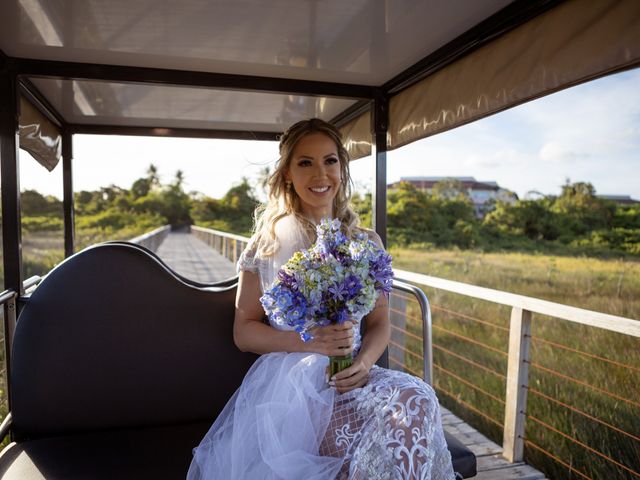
{"x":248,"y":260}
{"x":285,"y":224}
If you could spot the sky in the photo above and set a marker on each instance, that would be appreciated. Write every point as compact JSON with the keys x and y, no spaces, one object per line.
{"x":588,"y":133}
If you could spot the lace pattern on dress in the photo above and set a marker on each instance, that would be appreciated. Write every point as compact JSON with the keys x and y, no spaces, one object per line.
{"x":247,"y":260}
{"x":390,"y":429}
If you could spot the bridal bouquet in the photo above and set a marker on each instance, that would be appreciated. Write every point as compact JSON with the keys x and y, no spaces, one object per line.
{"x":335,"y":280}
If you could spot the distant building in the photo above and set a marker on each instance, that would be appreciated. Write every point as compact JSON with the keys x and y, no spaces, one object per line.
{"x":621,"y":199}
{"x":483,"y":195}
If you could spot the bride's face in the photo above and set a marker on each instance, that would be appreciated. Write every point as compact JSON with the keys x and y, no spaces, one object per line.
{"x":314,"y":171}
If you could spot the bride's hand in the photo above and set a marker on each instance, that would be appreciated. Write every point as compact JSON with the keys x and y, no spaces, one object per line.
{"x":333,"y":340}
{"x":355,"y":376}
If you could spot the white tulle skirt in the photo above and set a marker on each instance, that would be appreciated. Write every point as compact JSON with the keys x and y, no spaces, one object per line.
{"x":285,"y":422}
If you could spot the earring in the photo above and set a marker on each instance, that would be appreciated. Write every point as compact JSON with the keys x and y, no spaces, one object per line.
{"x":288,"y":185}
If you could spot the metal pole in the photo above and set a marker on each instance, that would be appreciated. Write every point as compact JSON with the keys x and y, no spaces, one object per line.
{"x":10,"y":315}
{"x":67,"y":203}
{"x":10,"y":185}
{"x":379,"y":126}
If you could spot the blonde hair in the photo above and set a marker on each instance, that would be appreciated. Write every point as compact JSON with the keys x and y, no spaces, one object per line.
{"x":284,"y":201}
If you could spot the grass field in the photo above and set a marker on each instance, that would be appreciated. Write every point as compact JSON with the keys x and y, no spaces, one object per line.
{"x":610,"y":286}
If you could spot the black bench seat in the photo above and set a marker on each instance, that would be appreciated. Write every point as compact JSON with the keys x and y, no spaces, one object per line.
{"x":119,"y":367}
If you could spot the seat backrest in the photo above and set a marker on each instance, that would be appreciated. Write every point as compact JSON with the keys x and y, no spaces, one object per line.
{"x":111,"y":339}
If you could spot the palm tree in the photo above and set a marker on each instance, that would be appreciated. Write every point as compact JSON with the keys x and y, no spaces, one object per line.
{"x":152,"y":175}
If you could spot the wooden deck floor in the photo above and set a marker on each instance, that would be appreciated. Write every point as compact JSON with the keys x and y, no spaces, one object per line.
{"x":491,"y":464}
{"x":192,"y":258}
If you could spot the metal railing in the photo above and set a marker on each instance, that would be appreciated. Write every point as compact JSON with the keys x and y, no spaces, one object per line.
{"x":9,"y":316}
{"x":517,"y":384}
{"x":517,"y":355}
{"x":405,"y":292}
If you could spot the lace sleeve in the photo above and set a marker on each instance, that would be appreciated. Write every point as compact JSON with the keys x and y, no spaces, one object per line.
{"x":247,"y":261}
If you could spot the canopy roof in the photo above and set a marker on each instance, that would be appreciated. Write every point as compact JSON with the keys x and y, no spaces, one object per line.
{"x":359,"y":42}
{"x":249,"y":68}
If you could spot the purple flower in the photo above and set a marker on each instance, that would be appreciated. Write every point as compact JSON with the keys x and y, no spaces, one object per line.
{"x":353,"y":286}
{"x":341,"y":316}
{"x":286,"y":279}
{"x":338,"y":291}
{"x":298,"y":308}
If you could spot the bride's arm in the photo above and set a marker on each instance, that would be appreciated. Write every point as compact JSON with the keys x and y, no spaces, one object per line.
{"x":250,"y":334}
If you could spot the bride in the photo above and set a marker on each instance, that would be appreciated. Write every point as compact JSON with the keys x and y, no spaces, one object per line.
{"x":286,"y":421}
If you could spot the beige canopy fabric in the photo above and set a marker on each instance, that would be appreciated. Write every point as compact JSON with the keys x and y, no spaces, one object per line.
{"x":357,"y":136}
{"x":39,"y":136}
{"x":572,"y":43}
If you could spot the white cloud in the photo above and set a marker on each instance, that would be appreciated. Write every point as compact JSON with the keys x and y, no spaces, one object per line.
{"x":555,"y":151}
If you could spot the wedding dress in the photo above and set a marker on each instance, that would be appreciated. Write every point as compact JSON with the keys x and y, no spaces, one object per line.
{"x":285,"y":422}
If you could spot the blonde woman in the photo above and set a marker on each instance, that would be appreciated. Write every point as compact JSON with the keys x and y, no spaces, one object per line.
{"x":285,"y":421}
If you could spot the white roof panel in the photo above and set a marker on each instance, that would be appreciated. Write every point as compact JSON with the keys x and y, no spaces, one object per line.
{"x":356,"y":42}
{"x":363,"y":42}
{"x":126,"y":104}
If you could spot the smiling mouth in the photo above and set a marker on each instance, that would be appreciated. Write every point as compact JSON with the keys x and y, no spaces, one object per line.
{"x":319,"y":189}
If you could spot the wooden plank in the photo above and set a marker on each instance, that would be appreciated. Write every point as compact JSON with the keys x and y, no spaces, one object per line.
{"x":464,"y":428}
{"x":191,"y":257}
{"x":466,"y":439}
{"x":495,"y":462}
{"x":515,"y":472}
{"x":485,"y":448}
{"x":451,"y":420}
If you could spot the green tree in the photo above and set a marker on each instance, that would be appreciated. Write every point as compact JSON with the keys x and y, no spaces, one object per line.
{"x":152,"y":176}
{"x":415,"y":216}
{"x":362,"y":204}
{"x":408,"y":214}
{"x":175,"y":203}
{"x":263,"y":180}
{"x":530,"y":218}
{"x":140,"y":188}
{"x":35,"y":204}
{"x":581,"y":211}
{"x":233,"y":212}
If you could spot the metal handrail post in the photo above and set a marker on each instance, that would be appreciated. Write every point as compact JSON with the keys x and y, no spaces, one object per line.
{"x":8,"y":299}
{"x":427,"y":335}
